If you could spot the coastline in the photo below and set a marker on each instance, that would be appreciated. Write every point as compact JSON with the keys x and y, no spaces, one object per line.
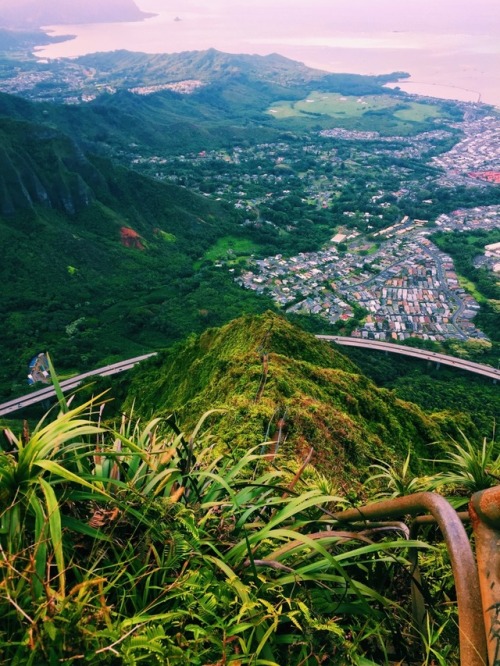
{"x":461,"y":68}
{"x":438,"y":91}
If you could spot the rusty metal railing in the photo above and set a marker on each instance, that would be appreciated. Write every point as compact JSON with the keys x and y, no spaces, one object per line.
{"x":477,"y":585}
{"x":484,"y":510}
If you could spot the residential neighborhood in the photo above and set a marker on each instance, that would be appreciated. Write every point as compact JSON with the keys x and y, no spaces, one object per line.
{"x":405,"y":284}
{"x":475,"y":156}
{"x":408,"y":287}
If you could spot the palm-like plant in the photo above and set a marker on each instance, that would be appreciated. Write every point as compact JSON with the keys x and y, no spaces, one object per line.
{"x":162,"y":548}
{"x":397,"y":480}
{"x":469,"y":467}
{"x":32,"y":476}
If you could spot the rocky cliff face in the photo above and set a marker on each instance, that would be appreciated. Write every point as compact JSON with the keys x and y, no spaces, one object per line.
{"x":40,"y":166}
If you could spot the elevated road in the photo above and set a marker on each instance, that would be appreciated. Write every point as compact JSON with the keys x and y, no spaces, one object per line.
{"x":461,"y":364}
{"x":69,"y":384}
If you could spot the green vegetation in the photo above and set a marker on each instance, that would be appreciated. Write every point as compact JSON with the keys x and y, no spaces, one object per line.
{"x":261,"y":369}
{"x":483,"y":283}
{"x":228,"y":110}
{"x":135,"y":542}
{"x":463,"y":400}
{"x":70,"y":282}
{"x":139,"y":543}
{"x":417,"y":112}
{"x":384,"y":113}
{"x":145,"y":555}
{"x":230,"y":247}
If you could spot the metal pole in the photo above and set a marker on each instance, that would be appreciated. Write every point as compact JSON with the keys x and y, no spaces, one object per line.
{"x":484,"y":509}
{"x":473,"y":651}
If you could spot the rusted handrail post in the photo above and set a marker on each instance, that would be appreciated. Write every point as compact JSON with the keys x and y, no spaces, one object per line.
{"x":472,"y":636}
{"x":484,"y":510}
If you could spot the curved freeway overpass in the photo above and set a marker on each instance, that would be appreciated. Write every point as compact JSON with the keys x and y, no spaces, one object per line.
{"x":68,"y":384}
{"x":461,"y":364}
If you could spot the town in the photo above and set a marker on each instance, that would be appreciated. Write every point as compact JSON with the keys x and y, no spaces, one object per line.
{"x":377,"y":261}
{"x":408,"y":287}
{"x":338,"y":220}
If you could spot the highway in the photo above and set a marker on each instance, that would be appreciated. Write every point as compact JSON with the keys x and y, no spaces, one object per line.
{"x":69,"y":384}
{"x":461,"y":364}
{"x":113,"y":369}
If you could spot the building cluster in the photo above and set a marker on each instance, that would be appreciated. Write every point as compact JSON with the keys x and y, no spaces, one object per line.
{"x":492,"y":256}
{"x":408,"y":287}
{"x":419,"y":296}
{"x":397,"y":146}
{"x":470,"y":219}
{"x":71,"y":83}
{"x":186,"y":87}
{"x":51,"y":82}
{"x":476,"y":157}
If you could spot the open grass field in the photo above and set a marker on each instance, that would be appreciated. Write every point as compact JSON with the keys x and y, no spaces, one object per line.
{"x":470,"y":287}
{"x":417,"y":112}
{"x":228,"y":247}
{"x":382,"y":113}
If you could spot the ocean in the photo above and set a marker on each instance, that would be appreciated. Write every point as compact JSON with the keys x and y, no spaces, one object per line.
{"x":451,"y":48}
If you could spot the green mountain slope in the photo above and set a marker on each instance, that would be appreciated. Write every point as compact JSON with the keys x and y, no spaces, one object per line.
{"x":42,"y":166}
{"x":229,"y":107}
{"x":261,"y":369}
{"x":127,"y":69}
{"x":165,"y":122}
{"x":97,"y":261}
{"x":130,"y":68}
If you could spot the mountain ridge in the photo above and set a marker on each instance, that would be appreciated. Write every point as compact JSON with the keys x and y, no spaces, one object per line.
{"x":260,"y":369}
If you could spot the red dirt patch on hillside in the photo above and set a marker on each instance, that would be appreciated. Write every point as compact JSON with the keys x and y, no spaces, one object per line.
{"x":131,"y":238}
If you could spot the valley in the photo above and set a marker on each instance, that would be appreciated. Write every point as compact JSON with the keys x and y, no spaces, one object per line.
{"x":218,"y":219}
{"x":325,"y":213}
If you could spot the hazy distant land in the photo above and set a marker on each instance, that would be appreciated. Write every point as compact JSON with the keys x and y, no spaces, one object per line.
{"x":450,"y":49}
{"x":34,"y":14}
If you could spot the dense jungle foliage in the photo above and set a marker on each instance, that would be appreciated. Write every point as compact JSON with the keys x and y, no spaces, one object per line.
{"x":133,"y":542}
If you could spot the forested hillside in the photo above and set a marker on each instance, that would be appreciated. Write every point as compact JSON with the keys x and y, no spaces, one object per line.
{"x":72,"y":280}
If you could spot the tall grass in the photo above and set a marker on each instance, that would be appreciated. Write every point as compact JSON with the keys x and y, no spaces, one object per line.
{"x":143,"y":544}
